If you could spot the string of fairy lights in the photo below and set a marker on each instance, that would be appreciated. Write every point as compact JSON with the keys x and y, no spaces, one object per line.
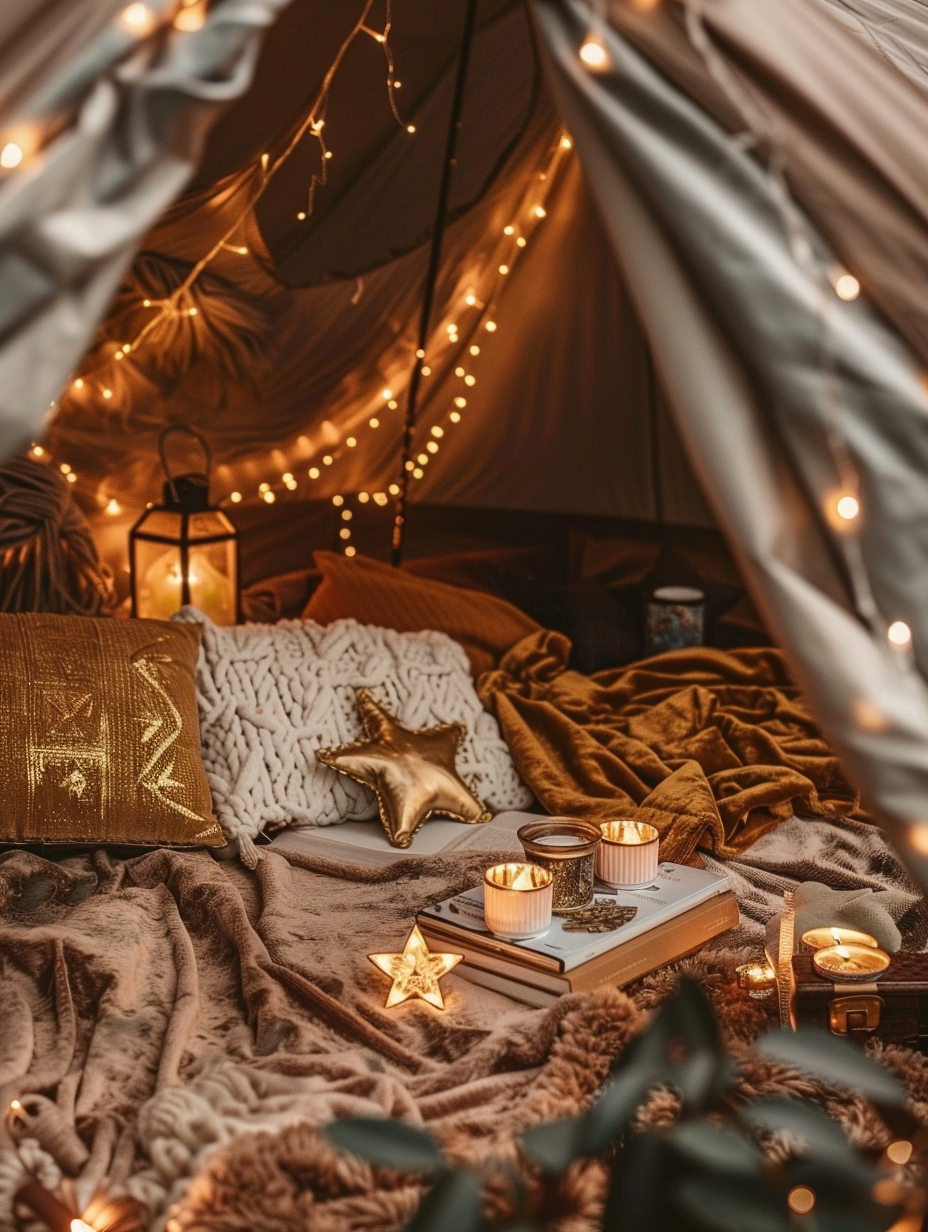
{"x":456,"y":345}
{"x":456,"y":339}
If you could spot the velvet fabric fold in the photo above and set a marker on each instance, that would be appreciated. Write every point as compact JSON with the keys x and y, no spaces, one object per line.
{"x":711,"y":747}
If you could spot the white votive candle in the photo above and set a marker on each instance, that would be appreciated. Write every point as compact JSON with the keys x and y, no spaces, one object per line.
{"x":517,"y":900}
{"x":627,"y":855}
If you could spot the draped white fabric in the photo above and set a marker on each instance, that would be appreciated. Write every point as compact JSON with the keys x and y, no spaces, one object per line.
{"x":133,"y":116}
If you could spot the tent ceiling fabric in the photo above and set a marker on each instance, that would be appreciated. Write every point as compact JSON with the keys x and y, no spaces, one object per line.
{"x":133,"y":120}
{"x":737,"y":330}
{"x":564,"y":382}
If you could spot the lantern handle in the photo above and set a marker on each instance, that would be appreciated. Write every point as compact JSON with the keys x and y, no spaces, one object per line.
{"x":198,"y":436}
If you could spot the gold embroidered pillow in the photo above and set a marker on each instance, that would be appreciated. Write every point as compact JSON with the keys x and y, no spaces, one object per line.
{"x":99,"y":733}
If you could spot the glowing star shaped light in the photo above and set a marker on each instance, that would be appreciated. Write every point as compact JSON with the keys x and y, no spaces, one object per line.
{"x":415,"y":972}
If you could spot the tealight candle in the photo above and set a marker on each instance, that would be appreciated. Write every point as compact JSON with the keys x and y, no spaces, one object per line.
{"x":627,"y":854}
{"x":517,"y":900}
{"x":847,"y":963}
{"x":758,"y":980}
{"x":825,"y":938}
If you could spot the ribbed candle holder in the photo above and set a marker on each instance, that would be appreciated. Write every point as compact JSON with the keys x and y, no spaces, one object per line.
{"x":517,"y":900}
{"x":628,"y":854}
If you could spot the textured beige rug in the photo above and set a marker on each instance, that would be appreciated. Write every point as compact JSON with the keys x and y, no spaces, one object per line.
{"x":182,"y":1026}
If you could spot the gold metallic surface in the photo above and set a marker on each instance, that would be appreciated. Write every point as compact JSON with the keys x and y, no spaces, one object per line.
{"x":415,"y":972}
{"x":99,"y":733}
{"x":412,"y":773}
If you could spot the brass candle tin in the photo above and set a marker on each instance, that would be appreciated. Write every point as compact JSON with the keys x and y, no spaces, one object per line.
{"x":567,"y":848}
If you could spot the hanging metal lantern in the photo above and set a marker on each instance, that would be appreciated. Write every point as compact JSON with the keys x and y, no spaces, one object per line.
{"x":185,"y":550}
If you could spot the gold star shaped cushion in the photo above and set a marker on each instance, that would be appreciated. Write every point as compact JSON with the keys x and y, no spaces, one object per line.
{"x":412,"y":773}
{"x":415,"y":972}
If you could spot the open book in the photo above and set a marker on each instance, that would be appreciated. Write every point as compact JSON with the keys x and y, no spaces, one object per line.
{"x":364,"y":842}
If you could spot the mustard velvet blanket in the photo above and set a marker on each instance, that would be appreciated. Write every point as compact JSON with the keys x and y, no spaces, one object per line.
{"x":711,"y":747}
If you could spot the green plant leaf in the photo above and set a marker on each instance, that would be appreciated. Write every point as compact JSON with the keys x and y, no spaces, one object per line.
{"x":637,"y":1200}
{"x":833,"y":1060}
{"x":824,"y":1138}
{"x":454,"y":1202}
{"x":389,"y":1144}
{"x":557,"y":1144}
{"x":724,"y":1205}
{"x":716,"y":1148}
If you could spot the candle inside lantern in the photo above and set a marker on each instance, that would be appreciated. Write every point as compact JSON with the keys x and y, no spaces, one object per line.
{"x":825,"y":938}
{"x":517,"y":900}
{"x":843,"y":963}
{"x":628,"y":854}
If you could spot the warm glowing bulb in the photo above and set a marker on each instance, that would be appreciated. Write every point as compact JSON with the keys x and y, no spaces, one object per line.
{"x":848,"y":507}
{"x":431,"y":447}
{"x":107,"y":393}
{"x":363,"y":498}
{"x":137,"y":18}
{"x":327,"y":459}
{"x":270,"y":497}
{"x":510,"y":230}
{"x":374,"y":423}
{"x":393,"y":404}
{"x":846,"y":286}
{"x":287,"y":477}
{"x":290,"y":485}
{"x":490,"y":327}
{"x":459,"y":371}
{"x":11,"y":155}
{"x":899,"y":634}
{"x":455,"y":416}
{"x":347,"y":515}
{"x":504,"y":269}
{"x":423,"y":459}
{"x":521,"y":241}
{"x":72,"y":478}
{"x":235,"y":497}
{"x":470,"y":300}
{"x":313,"y":472}
{"x":470,"y":380}
{"x":264,"y":487}
{"x":801,"y":1199}
{"x":410,"y":128}
{"x":15,"y":1105}
{"x":386,"y":394}
{"x":410,"y":466}
{"x":349,"y":550}
{"x":397,"y":85}
{"x":37,"y":451}
{"x":79,"y":384}
{"x":351,"y":442}
{"x":394,"y":489}
{"x":474,"y":350}
{"x":900,"y":1152}
{"x":191,"y":312}
{"x":146,"y":303}
{"x":417,"y":472}
{"x":452,"y":329}
{"x":439,"y":432}
{"x":338,"y":501}
{"x":113,"y":507}
{"x":420,"y":354}
{"x":65,"y":469}
{"x":344,"y":533}
{"x":593,"y":53}
{"x":302,"y":216}
{"x":566,"y":143}
{"x":540,"y":211}
{"x":79,"y":1225}
{"x":380,"y":498}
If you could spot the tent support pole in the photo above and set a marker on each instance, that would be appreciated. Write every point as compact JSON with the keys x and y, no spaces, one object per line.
{"x":431,"y":277}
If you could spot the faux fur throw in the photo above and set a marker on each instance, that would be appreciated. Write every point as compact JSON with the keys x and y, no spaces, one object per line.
{"x":271,"y":695}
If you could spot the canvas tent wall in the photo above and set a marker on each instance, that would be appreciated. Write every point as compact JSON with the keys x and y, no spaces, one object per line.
{"x":725,"y":246}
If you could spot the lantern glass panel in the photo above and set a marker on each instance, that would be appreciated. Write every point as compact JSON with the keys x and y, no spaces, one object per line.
{"x":157,"y":572}
{"x":207,"y":524}
{"x":162,"y":522}
{"x":213,"y":581}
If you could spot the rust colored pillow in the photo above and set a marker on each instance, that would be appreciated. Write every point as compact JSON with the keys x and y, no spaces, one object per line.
{"x":99,"y":733}
{"x":377,"y":594}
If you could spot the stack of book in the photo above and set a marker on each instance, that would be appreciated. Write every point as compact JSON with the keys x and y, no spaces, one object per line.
{"x":679,"y":913}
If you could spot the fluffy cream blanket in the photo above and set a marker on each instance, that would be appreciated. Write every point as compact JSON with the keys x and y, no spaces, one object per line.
{"x":182,"y":1026}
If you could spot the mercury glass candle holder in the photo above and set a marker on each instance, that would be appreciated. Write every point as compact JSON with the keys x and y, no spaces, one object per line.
{"x":517,"y":899}
{"x":628,"y":856}
{"x":567,"y":848}
{"x":843,"y":964}
{"x":826,"y":938}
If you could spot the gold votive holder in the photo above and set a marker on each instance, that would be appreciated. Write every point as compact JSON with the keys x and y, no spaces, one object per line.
{"x":846,"y":964}
{"x":628,"y":854}
{"x":826,"y":938}
{"x":757,"y":979}
{"x":517,"y":900}
{"x":566,"y":847}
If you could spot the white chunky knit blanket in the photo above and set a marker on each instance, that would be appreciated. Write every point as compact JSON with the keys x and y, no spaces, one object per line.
{"x":270,"y":695}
